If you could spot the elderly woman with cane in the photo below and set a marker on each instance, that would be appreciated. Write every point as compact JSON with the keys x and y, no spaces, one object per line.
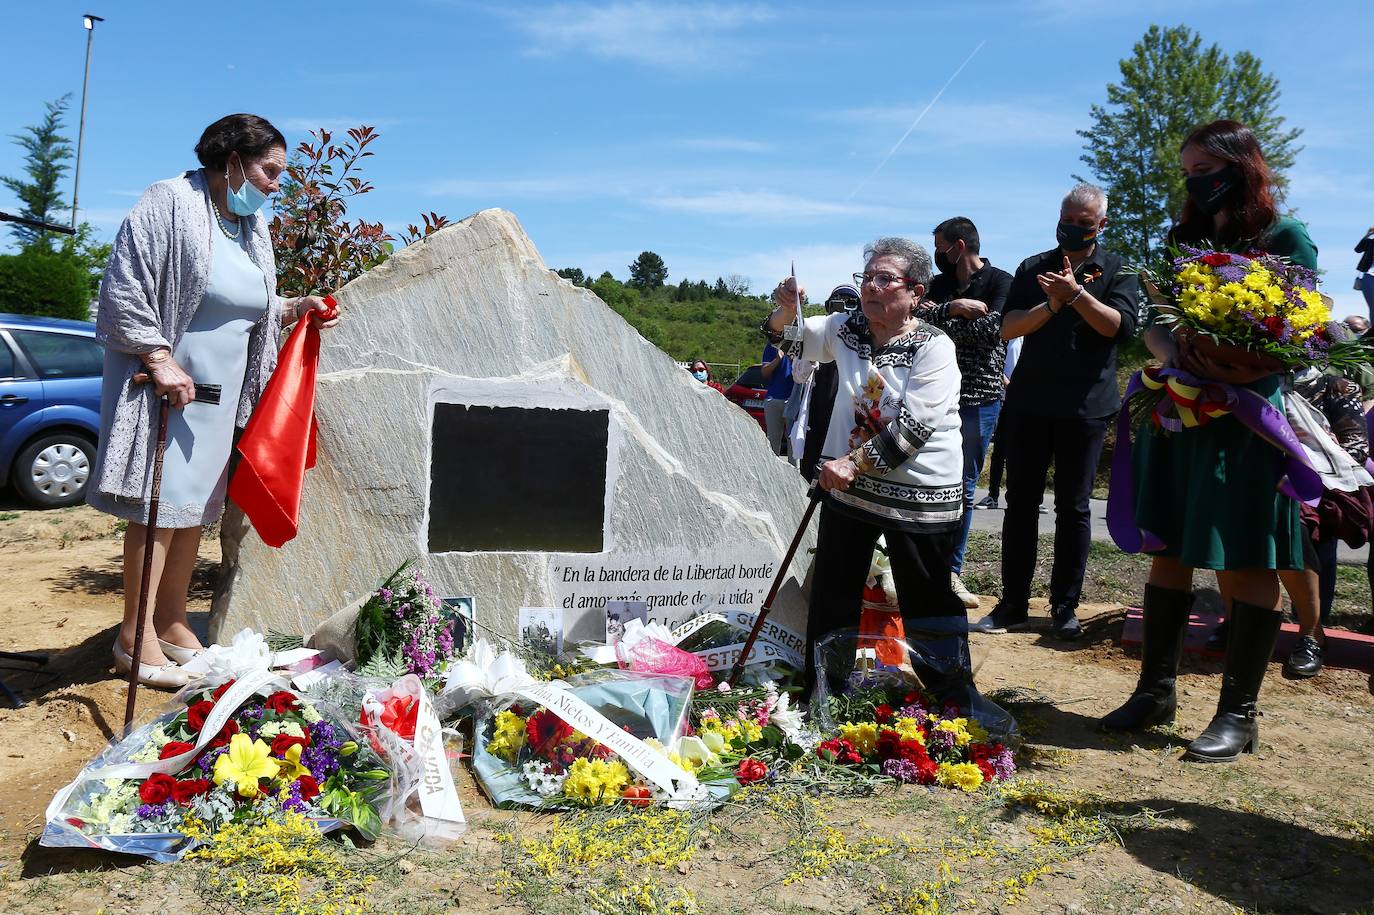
{"x":891,"y":463}
{"x":189,"y":315}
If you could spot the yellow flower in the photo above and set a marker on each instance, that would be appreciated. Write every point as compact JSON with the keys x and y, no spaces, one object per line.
{"x":750,"y":731}
{"x":244,"y":763}
{"x":290,"y":766}
{"x":508,"y":738}
{"x":976,"y":731}
{"x":863,"y":735}
{"x":964,"y":776}
{"x":959,"y":728}
{"x":596,"y":780}
{"x":909,"y":729}
{"x":715,"y":741}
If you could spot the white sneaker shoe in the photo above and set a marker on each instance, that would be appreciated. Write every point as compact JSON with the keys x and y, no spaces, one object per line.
{"x":168,"y":676}
{"x":964,"y":594}
{"x":178,"y":653}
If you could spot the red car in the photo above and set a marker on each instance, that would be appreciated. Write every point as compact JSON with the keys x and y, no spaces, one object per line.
{"x":749,"y":392}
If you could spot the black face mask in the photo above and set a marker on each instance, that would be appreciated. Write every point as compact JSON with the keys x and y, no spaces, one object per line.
{"x":1074,"y":237}
{"x":943,"y":263}
{"x":1210,"y":193}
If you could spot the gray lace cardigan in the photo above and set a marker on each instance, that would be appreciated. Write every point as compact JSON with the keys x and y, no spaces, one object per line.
{"x":153,"y":284}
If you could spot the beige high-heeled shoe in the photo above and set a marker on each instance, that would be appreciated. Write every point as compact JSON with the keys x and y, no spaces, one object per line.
{"x":168,"y":676}
{"x":178,"y":653}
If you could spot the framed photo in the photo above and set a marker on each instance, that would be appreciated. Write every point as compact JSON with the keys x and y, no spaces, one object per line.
{"x":618,"y":615}
{"x":463,"y":612}
{"x":541,"y":628}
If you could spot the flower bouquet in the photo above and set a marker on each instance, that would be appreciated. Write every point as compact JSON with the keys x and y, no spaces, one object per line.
{"x":743,"y":734}
{"x":402,"y":628}
{"x":604,"y":737}
{"x":246,"y":751}
{"x":908,"y":737}
{"x":1255,"y":310}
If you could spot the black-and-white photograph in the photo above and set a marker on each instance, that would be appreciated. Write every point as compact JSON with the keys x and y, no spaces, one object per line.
{"x":541,"y":628}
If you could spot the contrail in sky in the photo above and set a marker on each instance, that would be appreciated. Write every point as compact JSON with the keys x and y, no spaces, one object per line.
{"x":923,"y":113}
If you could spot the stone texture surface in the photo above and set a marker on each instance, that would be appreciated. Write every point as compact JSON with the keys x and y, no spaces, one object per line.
{"x":474,"y":309}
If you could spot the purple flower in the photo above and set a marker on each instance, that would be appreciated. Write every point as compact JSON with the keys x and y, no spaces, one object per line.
{"x":903,"y":770}
{"x":321,"y":761}
{"x":1003,"y":766}
{"x":151,"y":811}
{"x":385,"y":595}
{"x":914,"y":710}
{"x":940,"y":741}
{"x":1231,"y":273}
{"x":293,"y":798}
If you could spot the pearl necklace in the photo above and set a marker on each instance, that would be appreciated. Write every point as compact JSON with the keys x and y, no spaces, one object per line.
{"x":224,"y":223}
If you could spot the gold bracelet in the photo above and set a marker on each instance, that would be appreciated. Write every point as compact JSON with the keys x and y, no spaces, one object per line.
{"x":156,"y":357}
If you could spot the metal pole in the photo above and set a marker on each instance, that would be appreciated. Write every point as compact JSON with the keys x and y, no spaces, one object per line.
{"x":89,"y":22}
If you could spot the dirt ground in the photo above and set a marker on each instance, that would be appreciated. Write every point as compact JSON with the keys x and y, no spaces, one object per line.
{"x":1290,"y":829}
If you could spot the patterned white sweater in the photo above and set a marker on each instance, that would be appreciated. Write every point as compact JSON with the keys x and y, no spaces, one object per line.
{"x":897,"y":414}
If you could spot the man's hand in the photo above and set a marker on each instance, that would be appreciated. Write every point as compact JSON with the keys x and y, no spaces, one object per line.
{"x":967,"y":308}
{"x":838,"y":474}
{"x":1059,"y":287}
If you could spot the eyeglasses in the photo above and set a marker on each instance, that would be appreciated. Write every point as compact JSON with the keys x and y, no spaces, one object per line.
{"x":880,"y":281}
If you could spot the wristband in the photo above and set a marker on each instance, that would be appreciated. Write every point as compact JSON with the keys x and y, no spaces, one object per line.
{"x":1074,"y":298}
{"x":156,"y":357}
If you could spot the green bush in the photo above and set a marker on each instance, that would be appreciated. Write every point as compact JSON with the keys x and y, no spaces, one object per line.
{"x":48,"y":285}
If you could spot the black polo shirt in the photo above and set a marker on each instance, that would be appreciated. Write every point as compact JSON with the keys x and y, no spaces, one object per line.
{"x":1066,"y":368}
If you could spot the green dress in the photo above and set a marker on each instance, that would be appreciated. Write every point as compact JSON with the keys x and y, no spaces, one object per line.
{"x":1211,"y":493}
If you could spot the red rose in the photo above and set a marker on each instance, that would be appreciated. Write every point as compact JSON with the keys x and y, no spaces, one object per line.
{"x":282,"y":702}
{"x":197,"y":713}
{"x":986,"y":768}
{"x":883,"y":713}
{"x":222,"y":738}
{"x":283,"y":742}
{"x":183,"y":792}
{"x":221,"y":690}
{"x":750,"y":771}
{"x":157,"y":789}
{"x":1216,"y":260}
{"x":1274,"y":326}
{"x":175,"y":748}
{"x":309,"y":787}
{"x":889,"y":743}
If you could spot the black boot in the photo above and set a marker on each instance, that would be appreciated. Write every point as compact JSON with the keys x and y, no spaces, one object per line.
{"x":1154,"y":701}
{"x":1235,"y":728}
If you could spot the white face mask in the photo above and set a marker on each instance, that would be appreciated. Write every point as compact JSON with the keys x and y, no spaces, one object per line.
{"x":247,"y":200}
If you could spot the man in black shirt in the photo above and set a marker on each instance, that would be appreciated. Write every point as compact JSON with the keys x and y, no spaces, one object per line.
{"x":1074,"y":306}
{"x":965,"y":301}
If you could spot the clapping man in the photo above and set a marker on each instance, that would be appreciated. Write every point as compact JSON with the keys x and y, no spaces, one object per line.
{"x":1074,"y":304}
{"x":965,"y":301}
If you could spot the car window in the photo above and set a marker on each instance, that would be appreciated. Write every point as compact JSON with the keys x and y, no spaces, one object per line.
{"x":61,"y":355}
{"x":751,"y":377}
{"x":6,"y":360}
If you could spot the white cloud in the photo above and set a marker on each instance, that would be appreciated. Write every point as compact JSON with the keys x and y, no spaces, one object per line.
{"x":759,"y":205}
{"x":665,"y":35}
{"x":820,"y":267}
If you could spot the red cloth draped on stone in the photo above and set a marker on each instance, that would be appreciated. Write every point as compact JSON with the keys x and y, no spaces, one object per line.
{"x":278,"y":444}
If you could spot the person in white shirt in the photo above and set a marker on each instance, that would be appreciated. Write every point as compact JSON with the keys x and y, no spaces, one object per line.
{"x":892,"y":460}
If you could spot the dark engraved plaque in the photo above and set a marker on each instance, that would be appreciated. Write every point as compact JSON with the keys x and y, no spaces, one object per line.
{"x":517,"y":479}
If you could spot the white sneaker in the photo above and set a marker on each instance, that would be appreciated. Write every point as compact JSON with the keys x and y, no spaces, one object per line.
{"x":964,"y":594}
{"x":177,"y":653}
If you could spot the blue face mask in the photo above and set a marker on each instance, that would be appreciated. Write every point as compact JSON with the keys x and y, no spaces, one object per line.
{"x":699,"y":376}
{"x":247,"y":200}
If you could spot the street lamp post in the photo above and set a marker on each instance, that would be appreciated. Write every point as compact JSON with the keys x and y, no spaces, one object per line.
{"x":89,"y":21}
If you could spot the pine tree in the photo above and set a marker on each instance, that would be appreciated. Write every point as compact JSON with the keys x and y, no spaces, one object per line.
{"x":45,"y":151}
{"x":648,"y":271}
{"x":1170,"y":85}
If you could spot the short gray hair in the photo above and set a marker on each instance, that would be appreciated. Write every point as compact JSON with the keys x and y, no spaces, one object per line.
{"x":1087,"y":196}
{"x":918,"y":266}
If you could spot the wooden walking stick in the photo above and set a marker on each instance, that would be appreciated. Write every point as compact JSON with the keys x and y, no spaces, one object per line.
{"x":149,"y":542}
{"x":814,"y":495}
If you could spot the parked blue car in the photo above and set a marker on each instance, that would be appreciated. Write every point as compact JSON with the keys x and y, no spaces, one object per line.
{"x":49,"y":407}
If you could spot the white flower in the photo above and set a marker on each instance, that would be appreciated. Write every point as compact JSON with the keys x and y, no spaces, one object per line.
{"x":787,"y":718}
{"x":714,"y":740}
{"x":723,"y":686}
{"x":270,"y":729}
{"x":695,"y":751}
{"x":292,"y":728}
{"x":309,"y":713}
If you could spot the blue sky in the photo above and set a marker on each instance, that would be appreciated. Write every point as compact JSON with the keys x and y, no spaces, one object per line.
{"x":727,"y":137}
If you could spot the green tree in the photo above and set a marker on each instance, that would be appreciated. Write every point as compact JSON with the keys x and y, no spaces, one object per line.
{"x":574,"y":274}
{"x":1170,"y":85}
{"x":36,"y":282}
{"x":45,"y":151}
{"x":648,"y":271}
{"x":88,"y":254}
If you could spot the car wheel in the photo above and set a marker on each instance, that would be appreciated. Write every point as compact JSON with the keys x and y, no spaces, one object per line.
{"x":52,"y":471}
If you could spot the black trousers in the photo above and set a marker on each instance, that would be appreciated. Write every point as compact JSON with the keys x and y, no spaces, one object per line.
{"x":844,"y":554}
{"x":1031,"y":443}
{"x":998,"y":461}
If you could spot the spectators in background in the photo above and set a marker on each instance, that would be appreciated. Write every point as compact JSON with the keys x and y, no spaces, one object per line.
{"x":777,"y":372}
{"x":702,"y":372}
{"x":965,"y":301}
{"x":1364,"y":279}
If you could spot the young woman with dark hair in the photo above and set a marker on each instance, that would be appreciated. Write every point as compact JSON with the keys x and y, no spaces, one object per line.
{"x":1211,"y":493}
